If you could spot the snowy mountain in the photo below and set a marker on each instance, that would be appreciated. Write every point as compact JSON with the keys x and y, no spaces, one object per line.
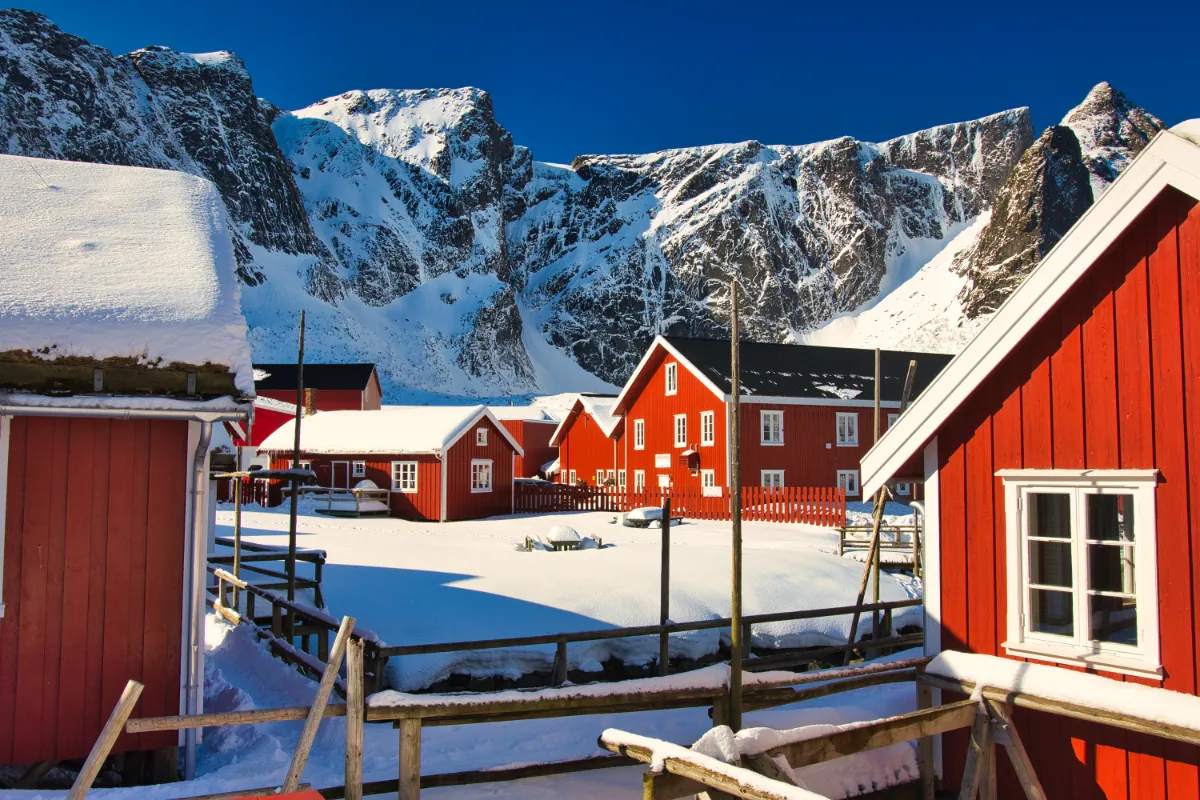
{"x":416,"y":234}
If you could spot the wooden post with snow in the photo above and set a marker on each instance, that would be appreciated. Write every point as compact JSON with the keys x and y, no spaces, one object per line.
{"x":735,"y":489}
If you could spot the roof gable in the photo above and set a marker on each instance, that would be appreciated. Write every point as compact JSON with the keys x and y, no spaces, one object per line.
{"x":599,"y":408}
{"x":1171,"y":160}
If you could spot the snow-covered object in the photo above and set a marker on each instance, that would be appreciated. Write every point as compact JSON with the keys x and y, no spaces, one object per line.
{"x":272,"y":404}
{"x":550,"y":467}
{"x":391,"y":429}
{"x":366,"y":483}
{"x":1111,"y":131}
{"x":643,"y":517}
{"x":1068,"y":686}
{"x":600,"y":409}
{"x":528,"y":413}
{"x":561,"y":534}
{"x":118,"y":262}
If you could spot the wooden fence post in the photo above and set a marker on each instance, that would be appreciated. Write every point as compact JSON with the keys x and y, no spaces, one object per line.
{"x":410,"y":758}
{"x":664,"y":589}
{"x":560,"y":663}
{"x":108,"y":737}
{"x":355,"y":707}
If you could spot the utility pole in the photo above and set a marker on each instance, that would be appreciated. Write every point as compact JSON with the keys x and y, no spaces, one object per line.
{"x":664,"y":600}
{"x":881,"y":499}
{"x":735,"y":507}
{"x":295,"y":482}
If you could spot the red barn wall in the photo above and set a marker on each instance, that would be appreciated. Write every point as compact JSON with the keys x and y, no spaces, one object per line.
{"x":1108,"y":380}
{"x":534,"y":438}
{"x":266,"y":421}
{"x":93,"y":581}
{"x":586,"y":449}
{"x":326,"y":399}
{"x":424,"y":504}
{"x":461,"y":502}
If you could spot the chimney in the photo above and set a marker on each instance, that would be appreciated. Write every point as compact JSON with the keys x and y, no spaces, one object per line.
{"x":310,"y":401}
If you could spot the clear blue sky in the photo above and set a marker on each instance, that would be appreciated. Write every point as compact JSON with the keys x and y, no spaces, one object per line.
{"x":572,"y":77}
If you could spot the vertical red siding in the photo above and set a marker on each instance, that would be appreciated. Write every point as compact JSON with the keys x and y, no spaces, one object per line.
{"x":1109,"y":379}
{"x":461,"y":502}
{"x":424,"y":504}
{"x":330,"y":399}
{"x":93,"y":580}
{"x":586,"y":449}
{"x":534,"y":438}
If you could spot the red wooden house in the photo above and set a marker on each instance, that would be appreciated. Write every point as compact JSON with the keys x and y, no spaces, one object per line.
{"x":532,"y":428}
{"x":327,"y":387}
{"x":806,"y":413}
{"x":1060,"y":453}
{"x":590,"y":442}
{"x":440,"y":463}
{"x":122,"y":281}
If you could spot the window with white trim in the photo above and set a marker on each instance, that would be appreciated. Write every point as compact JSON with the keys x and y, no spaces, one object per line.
{"x":664,"y":481}
{"x":404,"y":477}
{"x":481,"y":437}
{"x":903,"y":489}
{"x":771,"y":427}
{"x":672,"y":373}
{"x":847,"y":429}
{"x":681,"y":430}
{"x":772,"y":479}
{"x":708,"y":425}
{"x":600,"y":478}
{"x":359,"y":469}
{"x":708,"y":483}
{"x":639,"y":434}
{"x":573,"y":480}
{"x":639,"y":479}
{"x":481,"y":475}
{"x":847,"y":479}
{"x":1083,"y":584}
{"x":892,"y":418}
{"x":621,"y":478}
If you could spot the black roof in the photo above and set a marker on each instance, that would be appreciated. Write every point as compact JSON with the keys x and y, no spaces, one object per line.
{"x":268,"y":377}
{"x":810,"y":371}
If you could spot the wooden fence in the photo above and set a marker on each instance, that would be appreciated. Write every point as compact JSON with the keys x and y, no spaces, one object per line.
{"x":822,"y":505}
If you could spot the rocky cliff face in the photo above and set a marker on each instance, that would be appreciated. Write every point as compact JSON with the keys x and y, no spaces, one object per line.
{"x":419,"y":236}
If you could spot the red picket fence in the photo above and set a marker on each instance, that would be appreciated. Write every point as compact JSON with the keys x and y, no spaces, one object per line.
{"x":823,"y":505}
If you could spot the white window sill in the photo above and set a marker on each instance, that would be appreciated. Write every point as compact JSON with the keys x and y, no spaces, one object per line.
{"x":707,"y":444}
{"x":771,"y":444}
{"x":672,"y":394}
{"x":639,"y":447}
{"x":1108,"y":662}
{"x":847,"y":444}
{"x":404,"y":491}
{"x":679,"y":446}
{"x":481,"y":491}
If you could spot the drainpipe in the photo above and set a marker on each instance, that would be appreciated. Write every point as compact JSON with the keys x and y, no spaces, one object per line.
{"x":194,"y":695}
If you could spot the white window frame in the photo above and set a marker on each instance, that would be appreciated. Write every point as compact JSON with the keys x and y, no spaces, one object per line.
{"x":477,"y":486}
{"x":481,"y":437}
{"x":358,"y":469}
{"x":764,"y":483}
{"x":903,"y":489}
{"x":763,"y":416}
{"x":639,"y":480}
{"x":708,"y":428}
{"x":404,"y":480}
{"x":848,"y":478}
{"x":708,"y":483}
{"x":621,"y":478}
{"x":850,"y":418}
{"x":599,"y":478}
{"x":892,"y":419}
{"x":573,"y":478}
{"x":639,"y":434}
{"x":664,"y":480}
{"x":1079,"y":649}
{"x":672,"y":377}
{"x":680,"y":428}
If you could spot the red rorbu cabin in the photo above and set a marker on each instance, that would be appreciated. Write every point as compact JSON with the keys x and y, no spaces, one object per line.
{"x":806,"y":413}
{"x":590,"y":442}
{"x":1060,"y":453}
{"x":123,"y":344}
{"x":327,"y":387}
{"x":532,"y":428}
{"x":440,"y":463}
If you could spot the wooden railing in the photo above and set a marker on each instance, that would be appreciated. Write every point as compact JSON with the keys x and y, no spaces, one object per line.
{"x":858,"y":537}
{"x":824,"y":506}
{"x":253,"y":555}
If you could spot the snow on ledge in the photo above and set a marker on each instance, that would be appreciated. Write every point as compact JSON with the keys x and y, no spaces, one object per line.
{"x":109,"y":402}
{"x":1067,"y":686}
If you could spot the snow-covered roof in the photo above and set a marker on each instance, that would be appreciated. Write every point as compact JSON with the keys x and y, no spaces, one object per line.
{"x":1172,"y":159}
{"x":105,"y":262}
{"x":526,"y":413}
{"x":391,"y":429}
{"x":275,"y":405}
{"x":598,"y":407}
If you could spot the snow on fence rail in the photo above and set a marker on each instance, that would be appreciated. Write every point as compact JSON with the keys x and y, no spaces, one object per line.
{"x":820,"y":505}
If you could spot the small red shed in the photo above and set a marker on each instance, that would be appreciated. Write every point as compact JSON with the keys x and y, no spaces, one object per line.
{"x":123,"y":343}
{"x":1060,"y":453}
{"x":591,"y":443}
{"x":440,"y":463}
{"x":532,"y":428}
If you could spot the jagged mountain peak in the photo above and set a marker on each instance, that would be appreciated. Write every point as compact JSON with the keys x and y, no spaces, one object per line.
{"x":1111,"y":130}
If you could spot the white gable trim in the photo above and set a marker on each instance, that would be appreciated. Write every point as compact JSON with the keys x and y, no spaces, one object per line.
{"x":472,"y":422}
{"x":659,"y":341}
{"x":1169,"y":160}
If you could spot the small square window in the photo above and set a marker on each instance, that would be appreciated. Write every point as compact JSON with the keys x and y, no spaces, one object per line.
{"x":481,"y":437}
{"x":672,"y":373}
{"x":707,"y":427}
{"x":847,"y":429}
{"x":892,"y":419}
{"x":903,"y":489}
{"x":481,"y":475}
{"x":359,"y":469}
{"x":847,"y":480}
{"x":772,"y":479}
{"x":681,"y":430}
{"x":771,"y":427}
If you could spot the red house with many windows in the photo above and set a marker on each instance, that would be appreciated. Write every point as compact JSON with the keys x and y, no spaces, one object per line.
{"x":327,"y":387}
{"x":806,"y":413}
{"x":439,"y":462}
{"x":590,"y":442}
{"x":1060,"y":453}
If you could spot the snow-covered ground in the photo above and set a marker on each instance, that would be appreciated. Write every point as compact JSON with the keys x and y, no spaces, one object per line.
{"x":415,"y":583}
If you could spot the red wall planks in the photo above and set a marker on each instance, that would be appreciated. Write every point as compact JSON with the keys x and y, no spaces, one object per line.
{"x":93,"y":580}
{"x":461,"y":502}
{"x":586,"y":449}
{"x":1108,"y":379}
{"x":534,"y":438}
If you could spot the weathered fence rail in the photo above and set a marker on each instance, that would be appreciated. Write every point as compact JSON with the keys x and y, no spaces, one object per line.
{"x":252,"y":556}
{"x":823,"y":506}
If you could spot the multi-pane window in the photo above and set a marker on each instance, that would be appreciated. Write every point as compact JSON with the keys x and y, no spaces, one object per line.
{"x":404,"y":476}
{"x":672,"y":373}
{"x":573,"y":480}
{"x":847,"y":480}
{"x":681,"y":430}
{"x":707,"y":427}
{"x":772,"y":479}
{"x":771,"y":427}
{"x":639,"y":434}
{"x":481,"y":437}
{"x":639,"y":479}
{"x":621,"y":478}
{"x":1082,"y":578}
{"x":481,"y":475}
{"x":359,"y":469}
{"x":708,"y":483}
{"x":847,"y":429}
